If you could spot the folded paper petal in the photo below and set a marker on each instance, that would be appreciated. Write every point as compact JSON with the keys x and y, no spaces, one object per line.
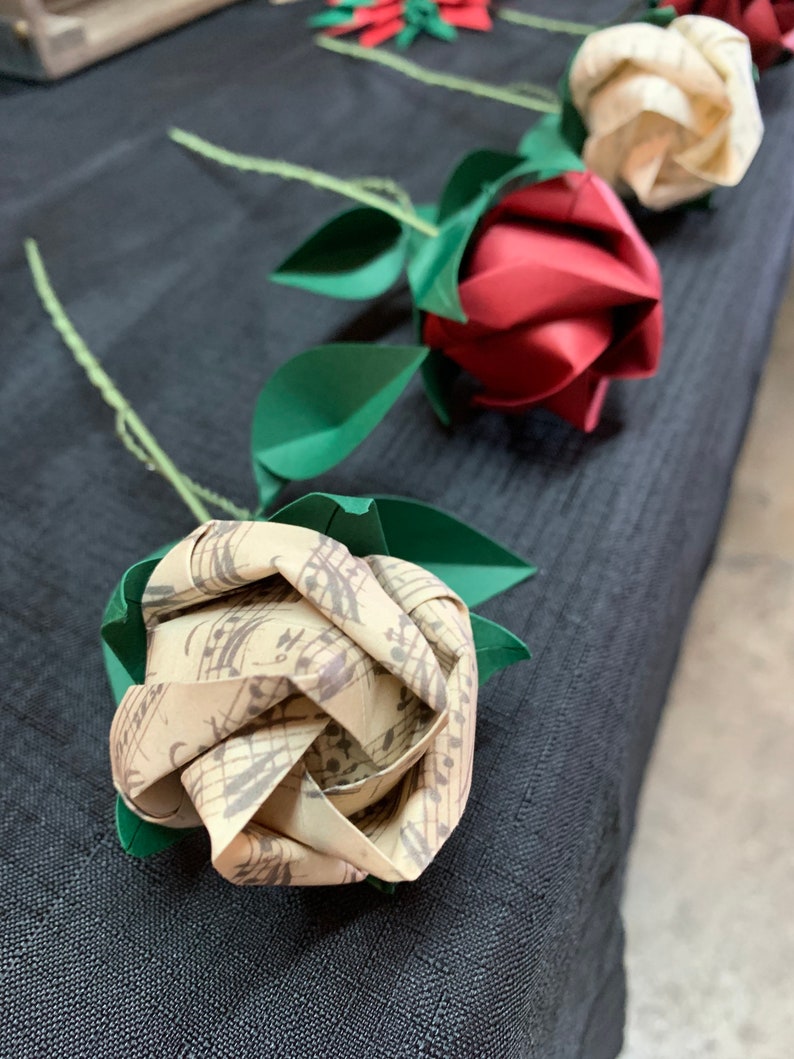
{"x":312,"y":709}
{"x":671,"y":112}
{"x":560,"y":293}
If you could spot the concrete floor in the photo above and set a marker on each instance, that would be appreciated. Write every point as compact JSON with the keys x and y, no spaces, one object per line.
{"x":709,"y":905}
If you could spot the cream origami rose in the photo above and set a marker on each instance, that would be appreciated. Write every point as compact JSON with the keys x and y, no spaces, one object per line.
{"x":670,"y":112}
{"x":313,"y":710}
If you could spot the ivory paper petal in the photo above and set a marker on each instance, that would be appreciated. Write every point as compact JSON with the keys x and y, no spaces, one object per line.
{"x":671,"y":112}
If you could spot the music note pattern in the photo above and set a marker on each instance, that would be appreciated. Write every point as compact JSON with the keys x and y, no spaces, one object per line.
{"x":313,"y":710}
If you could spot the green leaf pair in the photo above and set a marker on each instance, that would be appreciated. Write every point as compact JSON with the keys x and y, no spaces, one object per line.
{"x":362,"y":252}
{"x":318,"y":407}
{"x":472,"y":564}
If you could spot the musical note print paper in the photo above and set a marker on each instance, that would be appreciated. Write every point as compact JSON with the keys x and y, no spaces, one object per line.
{"x":313,"y":710}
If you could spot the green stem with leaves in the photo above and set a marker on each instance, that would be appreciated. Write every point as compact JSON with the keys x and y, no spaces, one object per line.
{"x":366,"y":190}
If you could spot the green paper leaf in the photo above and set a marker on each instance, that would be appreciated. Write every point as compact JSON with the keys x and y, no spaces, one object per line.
{"x":406,"y":37}
{"x":572,"y":128}
{"x":472,"y":564}
{"x":546,"y":146}
{"x":359,"y":255}
{"x":123,"y":632}
{"x":268,"y":487}
{"x":659,"y":15}
{"x":334,"y":17}
{"x":438,"y":375}
{"x":352,"y":520}
{"x":141,"y":839}
{"x":475,"y":173}
{"x":124,"y":651}
{"x":440,"y":29}
{"x":497,"y":648}
{"x":389,"y":888}
{"x":478,"y":182}
{"x":434,"y":268}
{"x":320,"y":405}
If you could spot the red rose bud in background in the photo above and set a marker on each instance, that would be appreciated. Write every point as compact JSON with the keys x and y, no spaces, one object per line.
{"x":769,"y":24}
{"x":561,"y":294}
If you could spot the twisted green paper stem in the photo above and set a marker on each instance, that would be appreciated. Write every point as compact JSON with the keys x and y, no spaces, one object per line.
{"x":552,"y":25}
{"x":541,"y":99}
{"x":130,"y":430}
{"x":242,"y":514}
{"x":387,"y":187}
{"x":360,"y":190}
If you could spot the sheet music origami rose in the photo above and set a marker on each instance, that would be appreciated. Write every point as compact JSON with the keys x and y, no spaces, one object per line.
{"x":561,"y":294}
{"x":314,"y":710}
{"x":670,"y":112}
{"x":768,"y":24}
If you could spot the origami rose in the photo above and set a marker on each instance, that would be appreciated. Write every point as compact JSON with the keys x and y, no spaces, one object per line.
{"x":768,"y":24}
{"x":313,"y":710}
{"x":562,"y":294}
{"x":670,"y":112}
{"x":380,"y":20}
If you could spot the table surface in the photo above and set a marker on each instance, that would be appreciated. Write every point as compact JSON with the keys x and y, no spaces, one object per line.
{"x":511,"y":943}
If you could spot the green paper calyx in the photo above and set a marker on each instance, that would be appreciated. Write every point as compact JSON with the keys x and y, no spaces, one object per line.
{"x":142,"y":839}
{"x":472,"y":564}
{"x":358,"y":255}
{"x":389,"y":888}
{"x":497,"y":647}
{"x":123,"y":631}
{"x":319,"y":406}
{"x":439,"y":374}
{"x":124,"y":650}
{"x":350,"y":519}
{"x":479,"y":181}
{"x":658,"y":14}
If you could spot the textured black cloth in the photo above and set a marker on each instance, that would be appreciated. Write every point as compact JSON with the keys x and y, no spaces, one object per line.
{"x":510,"y":945}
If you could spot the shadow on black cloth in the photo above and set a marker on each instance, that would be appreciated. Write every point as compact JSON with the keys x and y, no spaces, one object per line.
{"x":511,"y":944}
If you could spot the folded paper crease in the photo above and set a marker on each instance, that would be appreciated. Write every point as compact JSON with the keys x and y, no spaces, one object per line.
{"x":312,"y":709}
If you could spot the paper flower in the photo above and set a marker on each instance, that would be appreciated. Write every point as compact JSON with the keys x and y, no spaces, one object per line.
{"x":768,"y":24}
{"x":529,"y":274}
{"x":562,"y":294}
{"x":670,"y":112}
{"x":314,"y":710}
{"x":380,"y":20}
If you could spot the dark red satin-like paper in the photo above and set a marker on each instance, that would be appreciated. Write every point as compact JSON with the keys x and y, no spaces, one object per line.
{"x":768,"y":24}
{"x":562,"y":294}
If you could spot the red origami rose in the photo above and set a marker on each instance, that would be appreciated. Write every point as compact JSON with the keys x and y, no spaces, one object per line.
{"x":769,"y":24}
{"x":380,"y":20}
{"x":561,"y":295}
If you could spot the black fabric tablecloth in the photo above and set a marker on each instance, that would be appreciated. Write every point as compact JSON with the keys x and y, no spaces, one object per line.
{"x":511,"y":943}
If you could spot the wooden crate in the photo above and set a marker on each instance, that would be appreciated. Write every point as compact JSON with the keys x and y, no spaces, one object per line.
{"x":46,"y":39}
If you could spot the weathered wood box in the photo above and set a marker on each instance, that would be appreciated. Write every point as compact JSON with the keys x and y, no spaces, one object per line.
{"x":45,"y":39}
